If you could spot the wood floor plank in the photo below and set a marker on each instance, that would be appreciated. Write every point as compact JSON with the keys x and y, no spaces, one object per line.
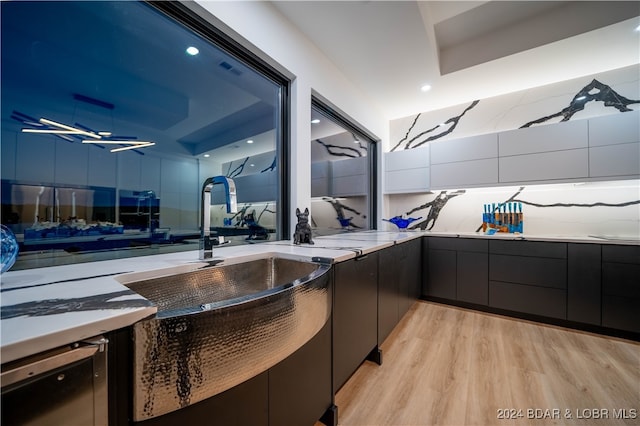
{"x":445,"y":365}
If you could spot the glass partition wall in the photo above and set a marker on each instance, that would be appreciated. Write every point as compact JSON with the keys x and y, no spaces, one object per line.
{"x":342,"y":174}
{"x":113,"y":115}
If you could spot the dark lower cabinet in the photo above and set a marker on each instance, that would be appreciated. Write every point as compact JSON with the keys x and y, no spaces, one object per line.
{"x":300,"y":389}
{"x":620,"y":288}
{"x":410,"y":276}
{"x":472,"y":271}
{"x":584,"y":283}
{"x":584,"y":275}
{"x":457,"y":269}
{"x":528,"y":299}
{"x":355,"y":315}
{"x":441,"y":272}
{"x":388,"y":288}
{"x":399,"y":281}
{"x":528,"y":277}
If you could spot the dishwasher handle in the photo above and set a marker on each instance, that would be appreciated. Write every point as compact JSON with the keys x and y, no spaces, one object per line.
{"x":82,"y":350}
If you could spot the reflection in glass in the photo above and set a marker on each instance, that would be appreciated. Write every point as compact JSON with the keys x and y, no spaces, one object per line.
{"x":340,"y":176}
{"x":116,"y":74}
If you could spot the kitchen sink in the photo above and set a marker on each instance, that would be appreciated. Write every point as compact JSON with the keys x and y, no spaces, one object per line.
{"x":216,"y":287}
{"x":219,"y":326}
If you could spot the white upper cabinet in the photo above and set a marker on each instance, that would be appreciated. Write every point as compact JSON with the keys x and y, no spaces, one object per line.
{"x":349,"y":177}
{"x":464,"y":149}
{"x":407,"y":171}
{"x":615,"y":129}
{"x":614,"y":145}
{"x":464,"y":162}
{"x":597,"y":148}
{"x":463,"y":174}
{"x":545,"y":166}
{"x":320,"y":179}
{"x":545,"y":138}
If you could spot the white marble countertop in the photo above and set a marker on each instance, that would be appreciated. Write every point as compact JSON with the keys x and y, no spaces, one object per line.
{"x":594,"y":239}
{"x":45,"y":308}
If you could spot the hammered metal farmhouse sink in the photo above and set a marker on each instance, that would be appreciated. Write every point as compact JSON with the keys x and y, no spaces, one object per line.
{"x":219,"y":326}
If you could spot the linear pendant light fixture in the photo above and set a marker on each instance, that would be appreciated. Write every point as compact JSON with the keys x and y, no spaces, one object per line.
{"x":65,"y":131}
{"x":131,"y":144}
{"x":47,"y":126}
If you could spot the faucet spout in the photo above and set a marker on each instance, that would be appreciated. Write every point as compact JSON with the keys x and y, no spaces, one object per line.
{"x":206,"y":244}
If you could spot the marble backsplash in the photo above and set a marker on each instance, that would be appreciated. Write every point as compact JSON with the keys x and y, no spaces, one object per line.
{"x":610,"y":209}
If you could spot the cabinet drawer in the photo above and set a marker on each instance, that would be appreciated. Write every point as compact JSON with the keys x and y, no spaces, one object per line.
{"x":539,"y":271}
{"x":548,"y":302}
{"x":529,"y":248}
{"x":443,"y":243}
{"x":472,"y":244}
{"x":621,"y":254}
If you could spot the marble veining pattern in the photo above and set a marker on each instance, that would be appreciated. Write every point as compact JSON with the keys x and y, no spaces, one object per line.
{"x":343,"y":151}
{"x":58,"y":306}
{"x":451,"y":124}
{"x":592,"y":92}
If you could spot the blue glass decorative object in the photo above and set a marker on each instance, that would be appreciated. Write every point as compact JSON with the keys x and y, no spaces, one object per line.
{"x":345,"y":223}
{"x":402,"y":223}
{"x":9,"y":249}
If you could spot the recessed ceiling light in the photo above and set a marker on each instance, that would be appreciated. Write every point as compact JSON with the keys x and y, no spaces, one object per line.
{"x":193,"y":51}
{"x":207,"y":156}
{"x":250,"y":141}
{"x":315,"y":121}
{"x":252,"y":165}
{"x":425,"y":88}
{"x":581,"y":98}
{"x":638,"y":28}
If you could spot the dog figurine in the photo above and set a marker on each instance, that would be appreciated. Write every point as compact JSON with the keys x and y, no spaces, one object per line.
{"x":303,"y":229}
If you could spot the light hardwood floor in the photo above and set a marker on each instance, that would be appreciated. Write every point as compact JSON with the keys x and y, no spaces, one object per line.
{"x":444,"y":365}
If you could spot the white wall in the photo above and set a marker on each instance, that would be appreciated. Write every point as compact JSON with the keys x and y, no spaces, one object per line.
{"x":270,"y":35}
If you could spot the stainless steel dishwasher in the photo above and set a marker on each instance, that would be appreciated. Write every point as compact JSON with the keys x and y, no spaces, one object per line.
{"x":64,"y":386}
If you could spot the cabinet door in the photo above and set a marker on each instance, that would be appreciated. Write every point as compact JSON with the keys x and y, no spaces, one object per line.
{"x":583,"y":283}
{"x":620,"y":289}
{"x":355,"y":315}
{"x":424,"y":257}
{"x":442,"y":273}
{"x":300,"y":388}
{"x":473,"y":277}
{"x":389,"y":282}
{"x":410,"y":276}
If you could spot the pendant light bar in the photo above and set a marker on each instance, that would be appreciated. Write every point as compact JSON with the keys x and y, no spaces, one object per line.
{"x":46,"y":126}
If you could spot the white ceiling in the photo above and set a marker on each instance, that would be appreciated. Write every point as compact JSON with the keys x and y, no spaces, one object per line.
{"x":465,"y":50}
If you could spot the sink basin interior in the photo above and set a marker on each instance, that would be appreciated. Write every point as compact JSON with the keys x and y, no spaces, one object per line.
{"x":223,"y":283}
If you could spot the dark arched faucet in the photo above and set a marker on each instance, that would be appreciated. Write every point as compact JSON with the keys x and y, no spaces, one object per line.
{"x":206,"y":245}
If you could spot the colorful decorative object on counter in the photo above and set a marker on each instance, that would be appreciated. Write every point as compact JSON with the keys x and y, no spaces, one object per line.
{"x":502,"y":217}
{"x":9,"y":248}
{"x":402,"y":223}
